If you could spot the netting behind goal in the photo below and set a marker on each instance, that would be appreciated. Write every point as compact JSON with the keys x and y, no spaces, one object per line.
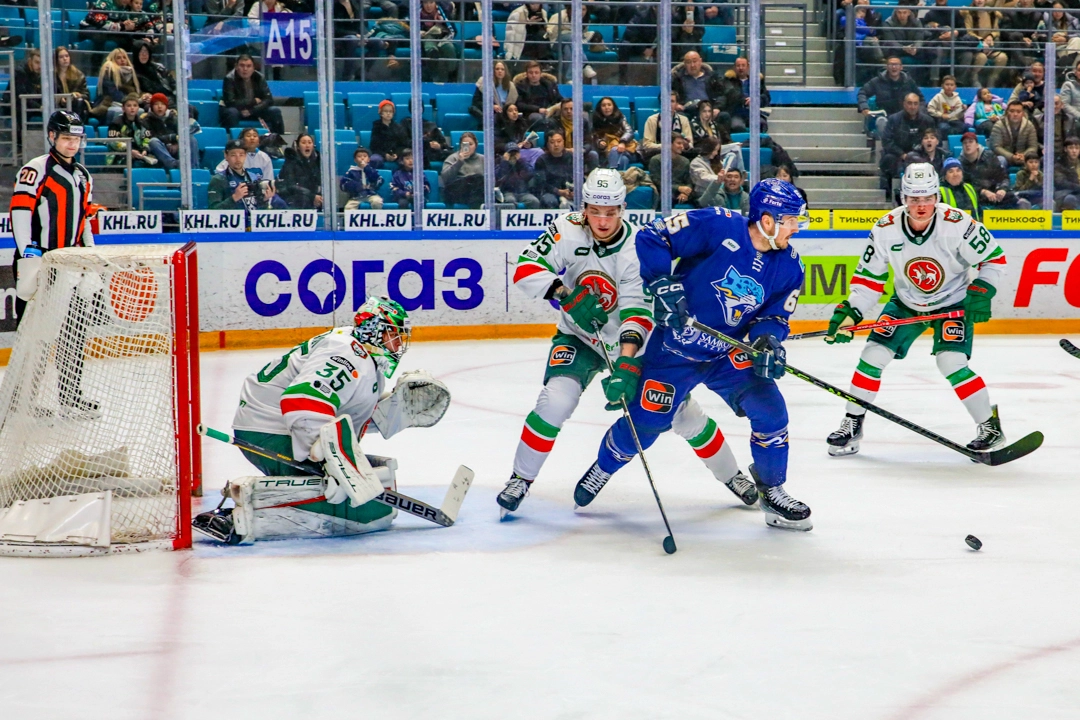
{"x":101,"y":392}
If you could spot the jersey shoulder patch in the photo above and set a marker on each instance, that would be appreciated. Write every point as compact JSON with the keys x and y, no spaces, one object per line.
{"x":953,"y":215}
{"x":574,"y":218}
{"x":886,"y":221}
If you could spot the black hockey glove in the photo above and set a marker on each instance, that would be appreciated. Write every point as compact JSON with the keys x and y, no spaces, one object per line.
{"x":669,"y":301}
{"x":771,"y":359}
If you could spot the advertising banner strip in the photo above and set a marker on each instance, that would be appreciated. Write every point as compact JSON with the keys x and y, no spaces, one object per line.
{"x":820,"y":220}
{"x":457,"y":220}
{"x":1018,"y":219}
{"x":389,"y":220}
{"x":283,"y":220}
{"x":855,"y":219}
{"x":1070,"y":220}
{"x":111,"y":222}
{"x":212,"y":221}
{"x":5,"y":225}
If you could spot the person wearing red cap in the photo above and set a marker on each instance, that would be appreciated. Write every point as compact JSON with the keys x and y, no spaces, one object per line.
{"x":161,"y":125}
{"x":388,"y":138}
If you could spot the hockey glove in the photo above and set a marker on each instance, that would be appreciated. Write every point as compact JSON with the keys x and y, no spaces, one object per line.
{"x":28,"y":267}
{"x":843,"y":316}
{"x":978,"y":301}
{"x":584,"y":309}
{"x":622,"y":385}
{"x":771,"y":359}
{"x":669,"y":301}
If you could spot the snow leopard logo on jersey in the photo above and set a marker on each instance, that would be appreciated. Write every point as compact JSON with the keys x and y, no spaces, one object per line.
{"x":602,"y":286}
{"x":738,"y":294}
{"x":925,"y":273}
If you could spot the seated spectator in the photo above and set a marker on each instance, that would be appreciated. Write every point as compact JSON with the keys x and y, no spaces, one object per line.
{"x":986,"y":174}
{"x":70,"y":80}
{"x":1067,"y":176}
{"x":538,"y":94}
{"x":693,"y":80}
{"x":788,"y":173}
{"x":512,"y":178}
{"x":1029,"y":182}
{"x":145,"y":26}
{"x":1020,"y":33}
{"x":682,"y":187}
{"x":707,"y":182}
{"x":234,"y":188}
{"x":947,"y":109}
{"x":527,"y":34}
{"x":554,"y":178}
{"x":903,"y":36}
{"x":888,"y":89}
{"x":437,"y":43}
{"x":564,"y":122}
{"x":436,"y":145}
{"x":505,"y":93}
{"x":362,"y":182}
{"x":704,"y":124}
{"x":988,"y":112}
{"x":1064,"y":125}
{"x":982,"y":24}
{"x":259,"y":9}
{"x":945,"y":33}
{"x":1064,"y":33}
{"x":28,"y":82}
{"x":222,"y":8}
{"x":1014,"y":136}
{"x":561,"y":26}
{"x":153,"y":77}
{"x":903,"y":135}
{"x":638,"y":42}
{"x":512,"y":127}
{"x":1070,"y":93}
{"x":929,"y":151}
{"x":163,"y":132}
{"x":613,"y":135}
{"x":401,"y":182}
{"x":388,"y":138}
{"x":246,"y":96}
{"x":732,"y":196}
{"x":258,"y":163}
{"x":867,"y":45}
{"x":462,"y":175}
{"x":107,"y":20}
{"x":650,"y":137}
{"x":300,"y":180}
{"x":127,"y":125}
{"x":116,"y":81}
{"x":738,"y":80}
{"x":687,"y":30}
{"x":1032,"y":87}
{"x":956,"y":192}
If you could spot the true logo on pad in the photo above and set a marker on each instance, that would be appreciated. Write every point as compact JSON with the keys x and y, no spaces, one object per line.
{"x":657,"y":397}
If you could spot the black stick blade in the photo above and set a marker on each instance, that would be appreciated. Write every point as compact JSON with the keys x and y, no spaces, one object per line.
{"x":1070,"y":348}
{"x":1020,"y":448}
{"x":669,"y":545}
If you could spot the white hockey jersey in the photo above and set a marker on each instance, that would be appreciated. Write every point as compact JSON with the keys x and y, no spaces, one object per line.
{"x":611,"y":271}
{"x":930,"y":270}
{"x":327,"y":376}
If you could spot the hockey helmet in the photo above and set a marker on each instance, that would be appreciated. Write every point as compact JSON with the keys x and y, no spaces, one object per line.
{"x":920,"y":180}
{"x":383,"y":326}
{"x":604,"y":186}
{"x":63,"y":122}
{"x":780,"y":199}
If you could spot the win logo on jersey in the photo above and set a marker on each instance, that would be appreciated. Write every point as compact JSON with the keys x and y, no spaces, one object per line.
{"x":738,"y":294}
{"x":562,"y":355}
{"x":657,"y":397}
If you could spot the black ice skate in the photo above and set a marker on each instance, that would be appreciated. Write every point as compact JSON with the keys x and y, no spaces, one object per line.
{"x":218,"y":524}
{"x":781,"y":510}
{"x":512,"y":495}
{"x":990,"y":436}
{"x":743,"y":488}
{"x":589,"y":485}
{"x":845,"y":441}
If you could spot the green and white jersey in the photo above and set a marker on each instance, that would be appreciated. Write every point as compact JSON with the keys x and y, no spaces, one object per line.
{"x":611,"y":271}
{"x":327,"y":376}
{"x":931,"y":269}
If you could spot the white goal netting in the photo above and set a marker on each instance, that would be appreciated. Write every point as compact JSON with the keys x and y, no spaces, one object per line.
{"x":90,"y":400}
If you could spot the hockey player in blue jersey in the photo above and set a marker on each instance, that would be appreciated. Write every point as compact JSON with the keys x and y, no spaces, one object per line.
{"x":738,"y":275}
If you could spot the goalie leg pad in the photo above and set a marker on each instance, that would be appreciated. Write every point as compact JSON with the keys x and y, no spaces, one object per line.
{"x":349,"y":474}
{"x":418,"y":400}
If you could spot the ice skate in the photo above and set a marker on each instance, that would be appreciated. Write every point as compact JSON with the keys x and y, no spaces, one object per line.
{"x":845,"y":441}
{"x":990,"y":436}
{"x":589,"y":485}
{"x":218,"y":524}
{"x":743,"y":488}
{"x":781,"y":510}
{"x":512,"y":495}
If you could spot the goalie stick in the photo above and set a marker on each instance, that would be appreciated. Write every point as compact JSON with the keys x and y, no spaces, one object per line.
{"x":1027,"y":444}
{"x":952,"y":314}
{"x":444,"y":515}
{"x":1070,"y":348}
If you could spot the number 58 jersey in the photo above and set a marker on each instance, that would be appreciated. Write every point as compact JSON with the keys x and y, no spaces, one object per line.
{"x":329,"y":375}
{"x":931,"y":269}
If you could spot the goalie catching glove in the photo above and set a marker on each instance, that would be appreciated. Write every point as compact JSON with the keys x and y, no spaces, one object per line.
{"x":349,"y":475}
{"x":418,"y":400}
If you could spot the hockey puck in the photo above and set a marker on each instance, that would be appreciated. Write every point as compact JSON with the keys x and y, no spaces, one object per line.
{"x":973,"y":542}
{"x":669,"y":545}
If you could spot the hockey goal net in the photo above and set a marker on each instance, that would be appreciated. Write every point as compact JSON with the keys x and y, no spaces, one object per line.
{"x":99,"y":405}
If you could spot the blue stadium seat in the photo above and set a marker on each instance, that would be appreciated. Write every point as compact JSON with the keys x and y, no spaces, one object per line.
{"x":312,"y":97}
{"x":366,"y":98}
{"x":384,"y":189}
{"x":203,"y":94}
{"x":402,"y":101}
{"x":344,"y":152}
{"x":311,"y":115}
{"x":362,"y":116}
{"x":364,"y":138}
{"x":145,"y":175}
{"x":457,"y":121}
{"x":212,"y":136}
{"x":208,"y":112}
{"x":212,"y":155}
{"x":341,"y":135}
{"x":433,"y":200}
{"x":198,"y":22}
{"x":640,"y":198}
{"x":200,"y":187}
{"x":716,"y":41}
{"x":452,"y":103}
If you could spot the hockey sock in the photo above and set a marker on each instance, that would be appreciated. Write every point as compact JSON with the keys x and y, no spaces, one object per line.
{"x":866,"y":381}
{"x":701,"y":431}
{"x":967,"y":385}
{"x":554,"y":407}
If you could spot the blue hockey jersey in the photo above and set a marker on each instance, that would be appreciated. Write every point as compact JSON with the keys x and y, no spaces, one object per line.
{"x":730,"y":286}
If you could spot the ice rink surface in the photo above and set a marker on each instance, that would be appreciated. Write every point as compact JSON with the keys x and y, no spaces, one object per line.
{"x":880,"y":613}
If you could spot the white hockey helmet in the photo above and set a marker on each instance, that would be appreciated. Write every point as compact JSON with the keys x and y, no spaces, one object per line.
{"x":920,"y":180}
{"x":604,"y":186}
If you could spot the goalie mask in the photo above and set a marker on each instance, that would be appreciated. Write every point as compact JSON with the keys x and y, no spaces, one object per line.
{"x":383,"y":326}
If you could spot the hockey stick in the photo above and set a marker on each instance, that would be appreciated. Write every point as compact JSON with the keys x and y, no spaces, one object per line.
{"x":1018,"y":449}
{"x":883,"y":324}
{"x":445,"y":515}
{"x":1070,"y":348}
{"x":669,"y":541}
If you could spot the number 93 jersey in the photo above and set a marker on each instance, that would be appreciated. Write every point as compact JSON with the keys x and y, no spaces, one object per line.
{"x":329,"y":375}
{"x":931,"y":269}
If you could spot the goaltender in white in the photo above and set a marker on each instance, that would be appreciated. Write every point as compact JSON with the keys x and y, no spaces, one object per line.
{"x":314,"y":404}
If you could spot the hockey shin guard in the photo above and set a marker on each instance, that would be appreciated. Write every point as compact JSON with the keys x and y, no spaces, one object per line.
{"x":704,"y":436}
{"x":866,"y":381}
{"x":967,"y":385}
{"x":556,"y":404}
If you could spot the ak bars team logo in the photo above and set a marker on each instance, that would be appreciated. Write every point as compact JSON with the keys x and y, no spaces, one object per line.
{"x":602,"y":286}
{"x":562,"y":355}
{"x":925,"y":273}
{"x":657,"y":397}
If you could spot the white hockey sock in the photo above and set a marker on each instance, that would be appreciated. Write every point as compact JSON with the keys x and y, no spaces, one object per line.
{"x":968,"y":386}
{"x":554,"y":407}
{"x":701,"y":431}
{"x":866,"y":381}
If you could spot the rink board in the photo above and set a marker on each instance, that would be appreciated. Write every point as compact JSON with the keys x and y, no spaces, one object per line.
{"x":259,"y":289}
